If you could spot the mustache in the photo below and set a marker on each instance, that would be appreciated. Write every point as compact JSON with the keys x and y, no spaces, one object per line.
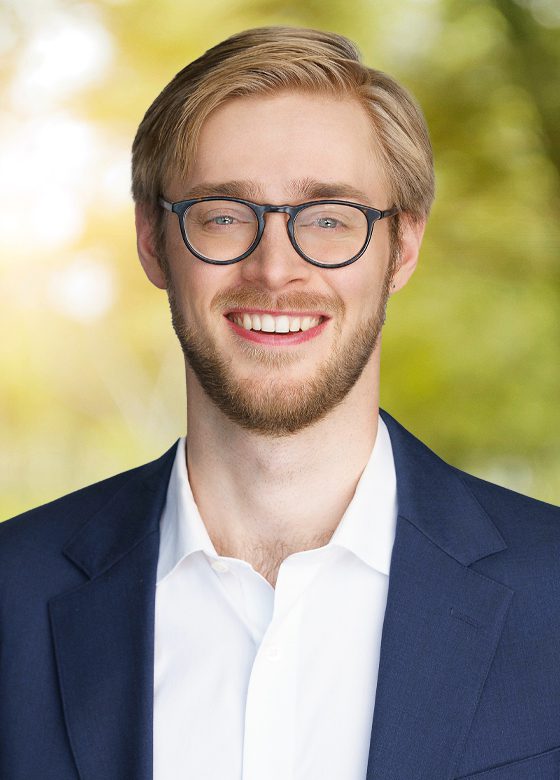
{"x":254,"y":298}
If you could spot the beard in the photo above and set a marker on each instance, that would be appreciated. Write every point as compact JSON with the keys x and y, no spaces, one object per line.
{"x":268,"y":404}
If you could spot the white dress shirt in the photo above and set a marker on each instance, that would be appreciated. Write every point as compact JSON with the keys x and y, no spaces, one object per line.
{"x":253,"y":682}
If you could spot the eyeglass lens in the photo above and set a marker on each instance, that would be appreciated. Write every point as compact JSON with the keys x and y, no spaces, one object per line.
{"x":222,"y":230}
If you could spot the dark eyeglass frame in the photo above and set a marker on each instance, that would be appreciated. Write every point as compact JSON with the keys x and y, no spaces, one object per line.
{"x":373,"y":215}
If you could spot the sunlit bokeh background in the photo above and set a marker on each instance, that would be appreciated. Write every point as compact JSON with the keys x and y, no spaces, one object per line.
{"x":92,"y":378}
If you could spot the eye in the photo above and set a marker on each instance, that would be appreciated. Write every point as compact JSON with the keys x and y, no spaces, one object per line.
{"x":212,"y":218}
{"x":323,"y":221}
{"x":214,"y":215}
{"x":222,"y":219}
{"x":334,"y":219}
{"x":328,"y":222}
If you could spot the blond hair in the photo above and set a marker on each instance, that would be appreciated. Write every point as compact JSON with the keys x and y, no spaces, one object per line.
{"x":265,"y":60}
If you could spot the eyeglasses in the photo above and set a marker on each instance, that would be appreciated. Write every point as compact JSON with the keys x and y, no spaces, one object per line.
{"x":326,"y":233}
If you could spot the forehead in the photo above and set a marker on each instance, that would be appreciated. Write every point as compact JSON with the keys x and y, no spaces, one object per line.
{"x":281,"y":143}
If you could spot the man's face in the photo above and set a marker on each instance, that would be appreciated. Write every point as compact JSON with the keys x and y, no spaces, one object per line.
{"x":277,"y":143}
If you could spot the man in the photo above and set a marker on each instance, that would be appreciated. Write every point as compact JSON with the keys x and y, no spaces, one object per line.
{"x":301,"y":589}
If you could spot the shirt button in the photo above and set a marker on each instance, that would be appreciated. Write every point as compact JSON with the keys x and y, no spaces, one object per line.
{"x":272,"y":652}
{"x":220,"y":566}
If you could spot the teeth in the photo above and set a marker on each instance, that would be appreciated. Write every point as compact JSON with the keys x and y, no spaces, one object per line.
{"x":267,"y":323}
{"x":282,"y":324}
{"x":270,"y":324}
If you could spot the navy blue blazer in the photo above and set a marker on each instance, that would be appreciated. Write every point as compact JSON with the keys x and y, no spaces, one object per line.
{"x":469,"y":675}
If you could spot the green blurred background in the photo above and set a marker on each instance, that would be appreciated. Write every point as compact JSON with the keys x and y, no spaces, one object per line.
{"x":92,"y":378}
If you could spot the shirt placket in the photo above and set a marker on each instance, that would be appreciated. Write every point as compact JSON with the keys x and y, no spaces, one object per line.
{"x":269,"y":748}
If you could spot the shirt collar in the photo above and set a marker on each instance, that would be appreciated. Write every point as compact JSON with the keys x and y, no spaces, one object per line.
{"x":366,"y":529}
{"x":182,"y":530}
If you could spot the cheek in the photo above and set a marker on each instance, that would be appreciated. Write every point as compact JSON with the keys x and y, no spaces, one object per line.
{"x":360,"y":287}
{"x":199,"y":286}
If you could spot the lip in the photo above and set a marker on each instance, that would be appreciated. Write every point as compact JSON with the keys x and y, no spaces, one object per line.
{"x":277,"y":339}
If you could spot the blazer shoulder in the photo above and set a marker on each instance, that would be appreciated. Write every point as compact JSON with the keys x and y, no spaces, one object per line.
{"x":530,"y":528}
{"x":52,"y":523}
{"x":504,"y":499}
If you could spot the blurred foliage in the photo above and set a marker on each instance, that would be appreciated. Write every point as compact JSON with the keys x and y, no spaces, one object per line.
{"x":471,"y":346}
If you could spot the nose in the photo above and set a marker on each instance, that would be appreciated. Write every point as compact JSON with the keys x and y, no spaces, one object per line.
{"x":275,"y":263}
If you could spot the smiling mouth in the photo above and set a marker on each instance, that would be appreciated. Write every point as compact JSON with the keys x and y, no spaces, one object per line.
{"x":277,"y":324}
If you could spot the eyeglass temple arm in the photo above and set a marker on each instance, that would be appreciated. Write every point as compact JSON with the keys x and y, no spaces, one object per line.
{"x":166,"y":204}
{"x":389,"y":212}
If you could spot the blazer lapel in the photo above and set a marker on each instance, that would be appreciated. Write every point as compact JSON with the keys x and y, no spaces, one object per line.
{"x":442,"y":623}
{"x":103,"y":631}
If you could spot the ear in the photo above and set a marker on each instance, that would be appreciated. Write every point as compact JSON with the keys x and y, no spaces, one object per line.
{"x":145,"y":243}
{"x":411,"y":239}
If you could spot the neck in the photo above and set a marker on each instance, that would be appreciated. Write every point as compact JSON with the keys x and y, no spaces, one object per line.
{"x":263,"y":498}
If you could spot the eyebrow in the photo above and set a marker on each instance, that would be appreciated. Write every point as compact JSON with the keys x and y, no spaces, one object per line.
{"x":304,"y":189}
